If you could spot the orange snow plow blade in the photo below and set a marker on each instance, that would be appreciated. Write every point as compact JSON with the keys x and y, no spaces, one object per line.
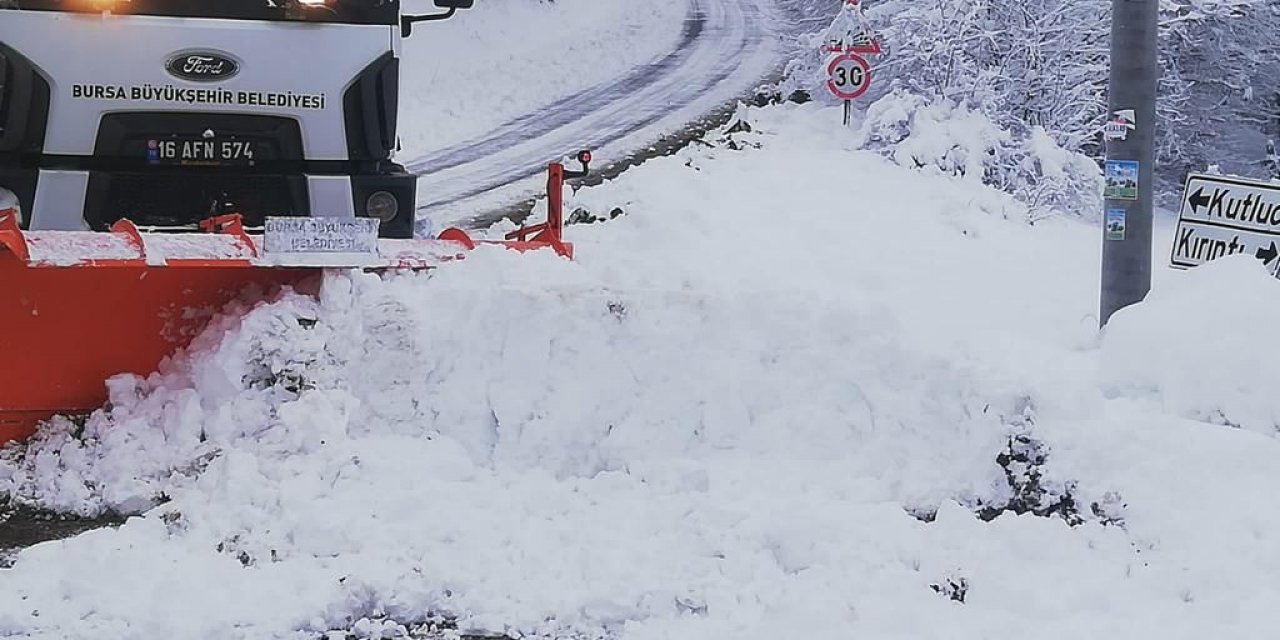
{"x":69,"y":329}
{"x":77,"y":308}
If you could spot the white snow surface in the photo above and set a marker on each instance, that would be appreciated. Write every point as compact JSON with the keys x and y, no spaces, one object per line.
{"x":1203,"y":350}
{"x":68,"y":248}
{"x":715,"y":423}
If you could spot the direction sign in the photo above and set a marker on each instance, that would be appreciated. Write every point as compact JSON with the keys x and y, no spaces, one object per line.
{"x":1227,"y":216}
{"x":849,"y":76}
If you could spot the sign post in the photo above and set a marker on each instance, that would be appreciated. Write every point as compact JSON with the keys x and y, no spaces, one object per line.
{"x":1130,"y":164}
{"x":849,"y":39}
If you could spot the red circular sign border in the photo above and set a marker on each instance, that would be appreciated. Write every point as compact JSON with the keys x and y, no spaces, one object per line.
{"x":861,"y":62}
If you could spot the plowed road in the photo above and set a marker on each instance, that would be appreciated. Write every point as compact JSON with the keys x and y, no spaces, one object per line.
{"x":726,"y":48}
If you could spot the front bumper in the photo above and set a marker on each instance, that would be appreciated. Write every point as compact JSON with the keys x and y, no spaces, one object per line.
{"x":69,"y":200}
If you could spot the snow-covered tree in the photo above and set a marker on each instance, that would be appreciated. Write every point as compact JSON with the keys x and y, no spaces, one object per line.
{"x":944,"y":136}
{"x":1220,"y":96}
{"x":1005,"y":91}
{"x":1025,"y":62}
{"x":1042,"y":65}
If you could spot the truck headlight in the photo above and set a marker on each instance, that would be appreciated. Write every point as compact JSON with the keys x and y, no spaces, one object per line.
{"x":100,"y":6}
{"x":382,"y":205}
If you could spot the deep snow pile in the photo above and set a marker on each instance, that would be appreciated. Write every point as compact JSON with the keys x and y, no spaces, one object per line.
{"x":1203,"y":350}
{"x":506,"y":58}
{"x":766,"y":402}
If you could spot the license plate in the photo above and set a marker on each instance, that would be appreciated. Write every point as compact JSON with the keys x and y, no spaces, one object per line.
{"x":200,"y":151}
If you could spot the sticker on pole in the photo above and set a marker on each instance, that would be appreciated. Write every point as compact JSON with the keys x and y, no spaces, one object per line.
{"x":849,"y":76}
{"x":1227,"y":216}
{"x":321,"y":236}
{"x":1116,"y":223}
{"x":1119,"y":126}
{"x":1121,"y":179}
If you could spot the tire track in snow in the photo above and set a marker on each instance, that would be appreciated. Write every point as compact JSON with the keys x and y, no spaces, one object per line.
{"x":560,"y":113}
{"x":724,"y":48}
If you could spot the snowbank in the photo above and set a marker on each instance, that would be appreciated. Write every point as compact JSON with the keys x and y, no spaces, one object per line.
{"x":506,"y":58}
{"x":1204,"y":346}
{"x":939,"y":135}
{"x":765,"y":402}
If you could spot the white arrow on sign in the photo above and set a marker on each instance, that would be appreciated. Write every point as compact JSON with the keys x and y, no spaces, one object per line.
{"x":1227,"y":216}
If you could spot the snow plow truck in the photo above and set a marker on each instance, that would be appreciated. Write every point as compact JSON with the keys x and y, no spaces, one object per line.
{"x":160,"y":157}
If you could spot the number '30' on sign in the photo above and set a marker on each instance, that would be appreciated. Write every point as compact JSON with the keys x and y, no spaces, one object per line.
{"x":849,"y":76}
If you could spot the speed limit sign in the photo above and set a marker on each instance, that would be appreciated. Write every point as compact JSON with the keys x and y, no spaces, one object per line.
{"x":849,"y":76}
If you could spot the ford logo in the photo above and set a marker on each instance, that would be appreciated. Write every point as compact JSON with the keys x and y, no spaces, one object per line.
{"x":202,"y":66}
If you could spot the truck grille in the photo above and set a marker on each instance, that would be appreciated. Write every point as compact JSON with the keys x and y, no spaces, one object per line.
{"x":182,"y":199}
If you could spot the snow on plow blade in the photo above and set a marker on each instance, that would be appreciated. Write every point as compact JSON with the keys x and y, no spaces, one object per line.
{"x":77,"y":307}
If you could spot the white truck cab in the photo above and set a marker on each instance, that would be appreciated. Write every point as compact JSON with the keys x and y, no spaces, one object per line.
{"x":166,"y":112}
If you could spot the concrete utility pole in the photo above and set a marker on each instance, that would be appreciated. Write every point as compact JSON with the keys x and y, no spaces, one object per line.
{"x":1130,"y":170}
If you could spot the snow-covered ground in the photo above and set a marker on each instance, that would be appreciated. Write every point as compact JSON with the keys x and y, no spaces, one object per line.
{"x":766,"y":402}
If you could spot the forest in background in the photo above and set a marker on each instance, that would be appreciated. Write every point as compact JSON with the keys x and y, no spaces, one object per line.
{"x":1037,"y":69}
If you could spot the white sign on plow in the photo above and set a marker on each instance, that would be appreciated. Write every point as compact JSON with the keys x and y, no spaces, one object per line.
{"x":327,"y":241}
{"x":1227,"y":216}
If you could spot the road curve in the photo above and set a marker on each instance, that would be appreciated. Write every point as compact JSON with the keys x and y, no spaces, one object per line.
{"x":726,"y":47}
